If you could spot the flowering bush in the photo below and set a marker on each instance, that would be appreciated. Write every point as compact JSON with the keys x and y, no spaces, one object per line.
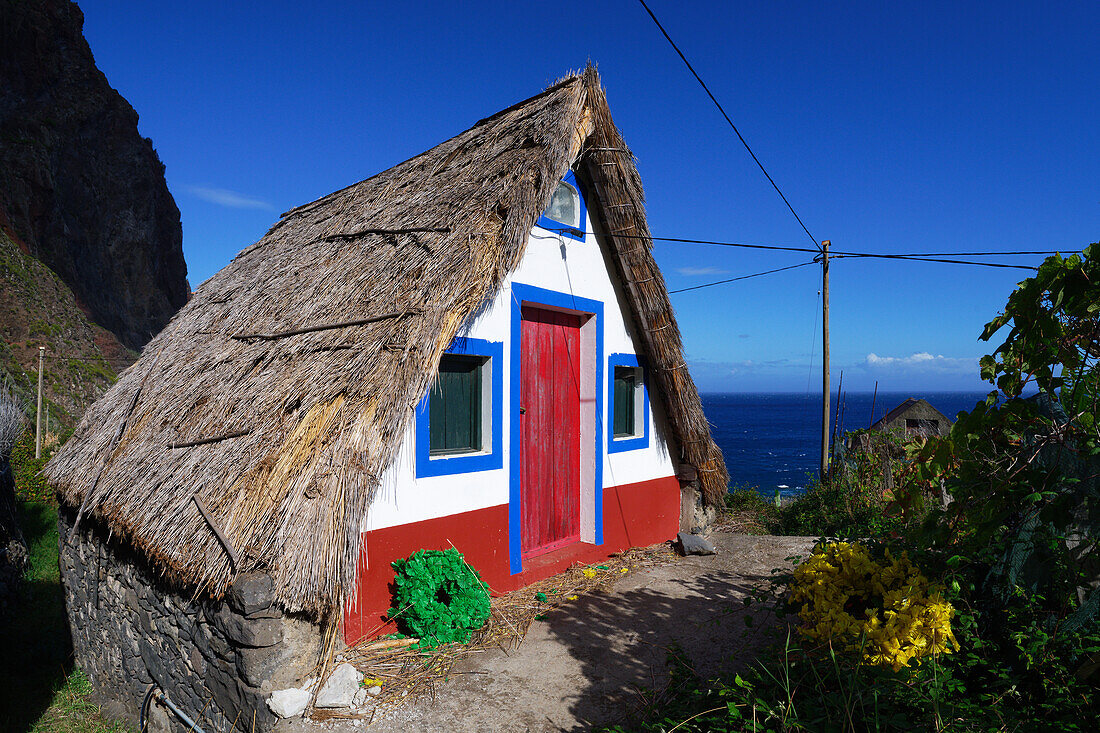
{"x":888,"y":609}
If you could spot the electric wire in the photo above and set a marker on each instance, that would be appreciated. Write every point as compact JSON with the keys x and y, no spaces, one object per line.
{"x":742,"y":277}
{"x":723,"y":111}
{"x":90,"y":357}
{"x":985,"y":254}
{"x":911,"y":258}
{"x":835,"y":254}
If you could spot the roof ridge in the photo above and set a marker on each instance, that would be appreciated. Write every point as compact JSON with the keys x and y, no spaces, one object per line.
{"x":304,"y":208}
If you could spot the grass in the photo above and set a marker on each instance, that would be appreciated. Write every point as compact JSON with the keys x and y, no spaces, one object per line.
{"x":747,"y":511}
{"x":40,"y":689}
{"x":72,"y":710}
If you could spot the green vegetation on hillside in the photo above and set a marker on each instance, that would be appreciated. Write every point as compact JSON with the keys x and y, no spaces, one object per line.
{"x":38,"y":309}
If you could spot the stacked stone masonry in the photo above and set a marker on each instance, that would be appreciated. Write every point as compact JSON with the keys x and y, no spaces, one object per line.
{"x":218,"y":660}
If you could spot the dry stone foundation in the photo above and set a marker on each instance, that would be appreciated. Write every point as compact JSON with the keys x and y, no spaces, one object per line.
{"x":218,"y":661}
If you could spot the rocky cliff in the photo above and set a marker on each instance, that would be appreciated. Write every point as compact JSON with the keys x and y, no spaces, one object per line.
{"x":80,"y":189}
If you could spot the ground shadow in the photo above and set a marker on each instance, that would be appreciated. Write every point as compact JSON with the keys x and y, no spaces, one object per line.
{"x":626,"y":640}
{"x":35,"y":646}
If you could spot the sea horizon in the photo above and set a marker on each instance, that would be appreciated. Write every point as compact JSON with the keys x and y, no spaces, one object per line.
{"x":771,"y":440}
{"x":817,"y":394}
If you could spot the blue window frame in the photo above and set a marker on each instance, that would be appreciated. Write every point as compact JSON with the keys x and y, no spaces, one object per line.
{"x":567,"y":229}
{"x":491,"y":419}
{"x":634,"y":407}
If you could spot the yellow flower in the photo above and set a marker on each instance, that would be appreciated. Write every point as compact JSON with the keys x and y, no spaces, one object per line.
{"x":841,"y":587}
{"x":589,"y":573}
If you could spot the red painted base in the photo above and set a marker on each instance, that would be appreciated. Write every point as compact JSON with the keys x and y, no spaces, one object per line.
{"x":634,"y":515}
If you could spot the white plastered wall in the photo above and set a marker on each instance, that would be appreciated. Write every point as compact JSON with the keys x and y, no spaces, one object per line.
{"x":554,"y":263}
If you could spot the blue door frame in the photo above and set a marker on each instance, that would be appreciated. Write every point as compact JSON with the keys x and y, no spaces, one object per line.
{"x":531,"y":295}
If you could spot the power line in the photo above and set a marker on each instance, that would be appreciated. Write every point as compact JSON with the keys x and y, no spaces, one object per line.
{"x":912,"y":258}
{"x":983,"y":254}
{"x":743,"y":277}
{"x":682,"y":240}
{"x":91,"y":357}
{"x":814,"y":261}
{"x":784,"y":248}
{"x":723,"y":111}
{"x":891,"y":257}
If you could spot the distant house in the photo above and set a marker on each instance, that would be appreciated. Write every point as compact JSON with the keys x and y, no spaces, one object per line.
{"x":915,"y":418}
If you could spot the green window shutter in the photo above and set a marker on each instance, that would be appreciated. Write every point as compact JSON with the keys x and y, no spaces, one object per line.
{"x":454,"y":410}
{"x":625,"y":384}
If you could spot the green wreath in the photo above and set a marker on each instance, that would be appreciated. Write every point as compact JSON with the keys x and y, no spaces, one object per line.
{"x":438,"y":598}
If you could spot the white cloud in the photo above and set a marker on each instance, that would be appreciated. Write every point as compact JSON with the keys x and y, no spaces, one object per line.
{"x":227,"y":198}
{"x":921,"y":361}
{"x":702,"y":271}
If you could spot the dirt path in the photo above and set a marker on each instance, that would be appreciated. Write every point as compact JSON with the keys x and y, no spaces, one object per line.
{"x":585,"y":663}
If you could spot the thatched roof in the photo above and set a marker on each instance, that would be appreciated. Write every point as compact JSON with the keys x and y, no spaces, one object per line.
{"x":317,"y":417}
{"x":925,"y":408}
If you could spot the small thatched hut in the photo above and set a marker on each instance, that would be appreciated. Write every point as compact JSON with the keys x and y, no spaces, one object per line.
{"x":916,"y":417}
{"x":473,"y":347}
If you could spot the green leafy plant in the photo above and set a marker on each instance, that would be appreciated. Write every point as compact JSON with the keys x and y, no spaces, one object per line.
{"x":438,"y":598}
{"x":1022,"y":471}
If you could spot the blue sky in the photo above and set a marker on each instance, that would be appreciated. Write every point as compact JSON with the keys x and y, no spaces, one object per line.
{"x":891,"y":127}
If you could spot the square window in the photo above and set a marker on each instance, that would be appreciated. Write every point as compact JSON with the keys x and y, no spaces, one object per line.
{"x":626,"y":392}
{"x":628,"y":404}
{"x":455,"y":406}
{"x":459,"y":422}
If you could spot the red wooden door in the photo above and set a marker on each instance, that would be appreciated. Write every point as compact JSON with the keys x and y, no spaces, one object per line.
{"x":549,"y":430}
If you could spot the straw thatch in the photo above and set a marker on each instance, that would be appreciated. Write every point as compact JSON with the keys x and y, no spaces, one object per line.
{"x":280,"y":440}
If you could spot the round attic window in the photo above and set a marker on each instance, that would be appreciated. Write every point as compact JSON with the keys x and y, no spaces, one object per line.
{"x":565,"y":206}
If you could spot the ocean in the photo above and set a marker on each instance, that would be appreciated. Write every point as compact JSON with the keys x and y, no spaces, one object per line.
{"x":773,"y":441}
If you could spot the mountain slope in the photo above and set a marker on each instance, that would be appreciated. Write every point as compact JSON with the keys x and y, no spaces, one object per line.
{"x":38,"y":309}
{"x":79,"y":186}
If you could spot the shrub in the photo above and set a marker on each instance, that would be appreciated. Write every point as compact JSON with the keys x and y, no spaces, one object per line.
{"x":438,"y":598}
{"x":747,"y":498}
{"x":887,"y":609}
{"x":748,"y":511}
{"x":839,"y":508}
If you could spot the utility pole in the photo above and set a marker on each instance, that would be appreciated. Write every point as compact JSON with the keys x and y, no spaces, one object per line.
{"x":825,"y":359}
{"x":38,"y":416}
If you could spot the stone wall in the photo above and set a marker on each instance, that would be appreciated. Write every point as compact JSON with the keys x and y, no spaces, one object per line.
{"x":216,"y":660}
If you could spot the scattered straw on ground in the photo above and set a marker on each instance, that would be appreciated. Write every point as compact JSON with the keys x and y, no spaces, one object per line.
{"x":404,"y":673}
{"x":743,"y":521}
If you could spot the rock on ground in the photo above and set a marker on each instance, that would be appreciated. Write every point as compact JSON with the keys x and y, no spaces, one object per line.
{"x":288,"y":703}
{"x":340,"y":688}
{"x":694,"y":544}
